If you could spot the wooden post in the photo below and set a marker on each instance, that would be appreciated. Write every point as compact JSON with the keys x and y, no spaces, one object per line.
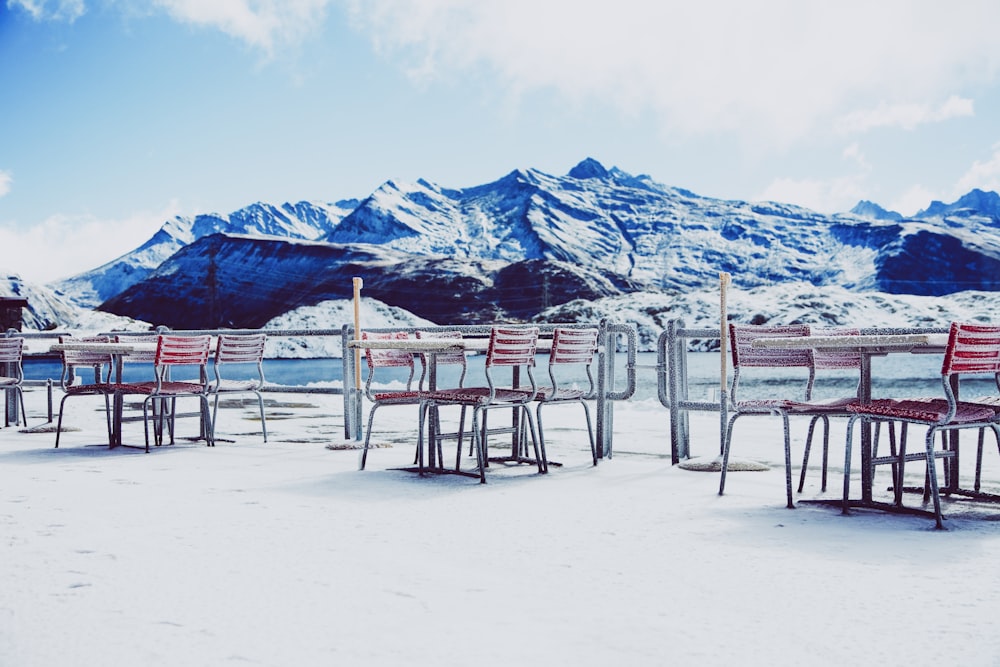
{"x":724,"y":282}
{"x":358,"y":284}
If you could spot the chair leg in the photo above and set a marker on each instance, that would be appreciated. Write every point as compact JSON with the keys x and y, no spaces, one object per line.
{"x":845,"y":506}
{"x":478,"y":441}
{"x":368,"y":435}
{"x":725,"y":453}
{"x":932,"y":479}
{"x":62,"y":404}
{"x":788,"y":461}
{"x":805,"y":455}
{"x":536,"y":441}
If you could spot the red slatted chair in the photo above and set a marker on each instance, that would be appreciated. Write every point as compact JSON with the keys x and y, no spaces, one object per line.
{"x":570,"y":347}
{"x":512,"y":348}
{"x":239,"y":349}
{"x":444,"y":359}
{"x":102,"y":366}
{"x":173,"y":352}
{"x":376,"y":359}
{"x":973,"y":349}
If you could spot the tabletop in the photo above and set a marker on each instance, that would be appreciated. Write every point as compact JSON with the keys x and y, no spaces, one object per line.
{"x":109,"y":347}
{"x":910,"y":342}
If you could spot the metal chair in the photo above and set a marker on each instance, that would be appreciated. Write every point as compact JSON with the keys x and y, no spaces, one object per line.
{"x":377,"y":358}
{"x":509,"y":347}
{"x":430,"y":362}
{"x":744,"y":355}
{"x":237,"y":349}
{"x":973,"y":349}
{"x":825,"y":359}
{"x":570,"y":347}
{"x":102,"y":366}
{"x":173,"y":352}
{"x":12,"y":372}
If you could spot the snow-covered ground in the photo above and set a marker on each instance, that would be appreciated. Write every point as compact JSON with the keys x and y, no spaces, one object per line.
{"x":286,"y":554}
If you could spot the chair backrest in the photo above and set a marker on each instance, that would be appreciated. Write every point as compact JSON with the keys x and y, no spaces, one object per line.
{"x":744,"y":354}
{"x":573,"y":347}
{"x":443,"y":358}
{"x":101,"y":362}
{"x":240,"y":349}
{"x":182,"y":351}
{"x":512,"y":347}
{"x":140,"y":357}
{"x":11,"y":352}
{"x":826,"y":359}
{"x":388,"y":358}
{"x":972,"y":349}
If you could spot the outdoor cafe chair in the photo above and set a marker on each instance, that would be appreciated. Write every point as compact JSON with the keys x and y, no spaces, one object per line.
{"x":512,"y":348}
{"x":239,"y":349}
{"x":101,"y":364}
{"x":12,"y":372}
{"x":456,"y":358}
{"x":744,"y":355}
{"x":834,"y":359}
{"x":973,"y":349}
{"x":173,"y":352}
{"x":386,"y":358}
{"x":570,"y":347}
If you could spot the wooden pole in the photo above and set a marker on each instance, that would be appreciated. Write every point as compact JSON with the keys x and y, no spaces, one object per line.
{"x":724,"y":282}
{"x":358,"y":284}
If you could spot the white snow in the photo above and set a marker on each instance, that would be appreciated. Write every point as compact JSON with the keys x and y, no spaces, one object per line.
{"x":286,"y":554}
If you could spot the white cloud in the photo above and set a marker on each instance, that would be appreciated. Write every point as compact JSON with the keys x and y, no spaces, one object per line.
{"x":262,"y":24}
{"x":913,"y":200}
{"x":905,"y":116}
{"x":64,"y":245}
{"x":50,"y":10}
{"x":772,"y":70}
{"x":833,"y":195}
{"x":5,"y":181}
{"x":983,"y":175}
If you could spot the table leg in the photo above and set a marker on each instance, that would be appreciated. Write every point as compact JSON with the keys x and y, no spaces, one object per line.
{"x":866,"y":430}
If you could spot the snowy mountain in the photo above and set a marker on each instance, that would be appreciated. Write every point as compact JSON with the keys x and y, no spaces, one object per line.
{"x":532,"y":245}
{"x":304,"y":220}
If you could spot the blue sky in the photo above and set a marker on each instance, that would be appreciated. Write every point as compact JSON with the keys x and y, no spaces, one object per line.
{"x":116,"y":115}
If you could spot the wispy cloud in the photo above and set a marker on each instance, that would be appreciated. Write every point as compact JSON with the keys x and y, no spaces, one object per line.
{"x":262,"y":24}
{"x":50,"y":10}
{"x":5,"y":182}
{"x":769,"y":71}
{"x":905,"y":116}
{"x":984,"y":175}
{"x":64,"y":245}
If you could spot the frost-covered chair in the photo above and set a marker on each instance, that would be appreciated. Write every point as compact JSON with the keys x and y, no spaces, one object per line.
{"x":570,"y":347}
{"x":101,"y":365}
{"x":12,"y":372}
{"x":512,"y":348}
{"x":239,"y":350}
{"x":456,"y":358}
{"x":387,"y":358}
{"x":745,"y":355}
{"x":160,"y":394}
{"x":973,"y":349}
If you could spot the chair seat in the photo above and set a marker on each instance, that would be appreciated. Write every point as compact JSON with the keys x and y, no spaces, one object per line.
{"x":93,"y":388}
{"x":479,"y":395}
{"x":829,"y":406}
{"x":223,"y":386}
{"x":928,"y":411}
{"x":398,"y":397}
{"x":547,"y":394}
{"x":164,"y":389}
